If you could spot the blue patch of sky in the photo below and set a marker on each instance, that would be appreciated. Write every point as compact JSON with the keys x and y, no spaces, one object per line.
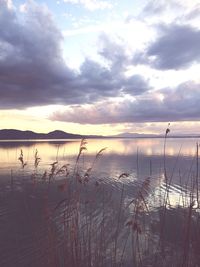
{"x":70,"y":16}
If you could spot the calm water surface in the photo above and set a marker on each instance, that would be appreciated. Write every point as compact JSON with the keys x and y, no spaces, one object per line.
{"x":120,"y":154}
{"x":138,"y":157}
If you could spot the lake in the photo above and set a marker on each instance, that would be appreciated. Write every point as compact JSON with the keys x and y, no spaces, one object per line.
{"x":129,"y":155}
{"x":116,"y":208}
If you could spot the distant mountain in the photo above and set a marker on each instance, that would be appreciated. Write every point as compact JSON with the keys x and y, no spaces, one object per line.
{"x":11,"y":134}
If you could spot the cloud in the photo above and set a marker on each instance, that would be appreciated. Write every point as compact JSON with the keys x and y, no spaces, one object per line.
{"x":169,"y":104}
{"x":111,"y":81}
{"x":172,"y":9}
{"x":114,"y":52}
{"x":30,"y":59}
{"x":136,"y":85}
{"x":193,"y":13}
{"x":177,"y":47}
{"x":153,"y":7}
{"x":33,"y":71}
{"x":97,"y":82}
{"x":91,"y":4}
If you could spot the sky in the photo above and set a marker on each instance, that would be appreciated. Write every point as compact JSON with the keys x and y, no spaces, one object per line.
{"x":100,"y":66}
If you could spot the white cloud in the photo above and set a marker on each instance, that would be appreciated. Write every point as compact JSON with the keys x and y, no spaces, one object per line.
{"x":23,"y":8}
{"x":91,"y":4}
{"x":189,"y":3}
{"x":7,"y":3}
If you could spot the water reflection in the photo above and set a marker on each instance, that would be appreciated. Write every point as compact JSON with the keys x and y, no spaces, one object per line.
{"x":127,"y":146}
{"x":141,"y":157}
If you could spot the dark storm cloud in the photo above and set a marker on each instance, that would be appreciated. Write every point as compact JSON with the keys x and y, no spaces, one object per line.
{"x":136,"y":85}
{"x":178,"y":104}
{"x":177,"y":47}
{"x":31,"y":68}
{"x":33,"y":72}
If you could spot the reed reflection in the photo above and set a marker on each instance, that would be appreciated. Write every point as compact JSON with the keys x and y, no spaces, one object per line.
{"x":139,"y":157}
